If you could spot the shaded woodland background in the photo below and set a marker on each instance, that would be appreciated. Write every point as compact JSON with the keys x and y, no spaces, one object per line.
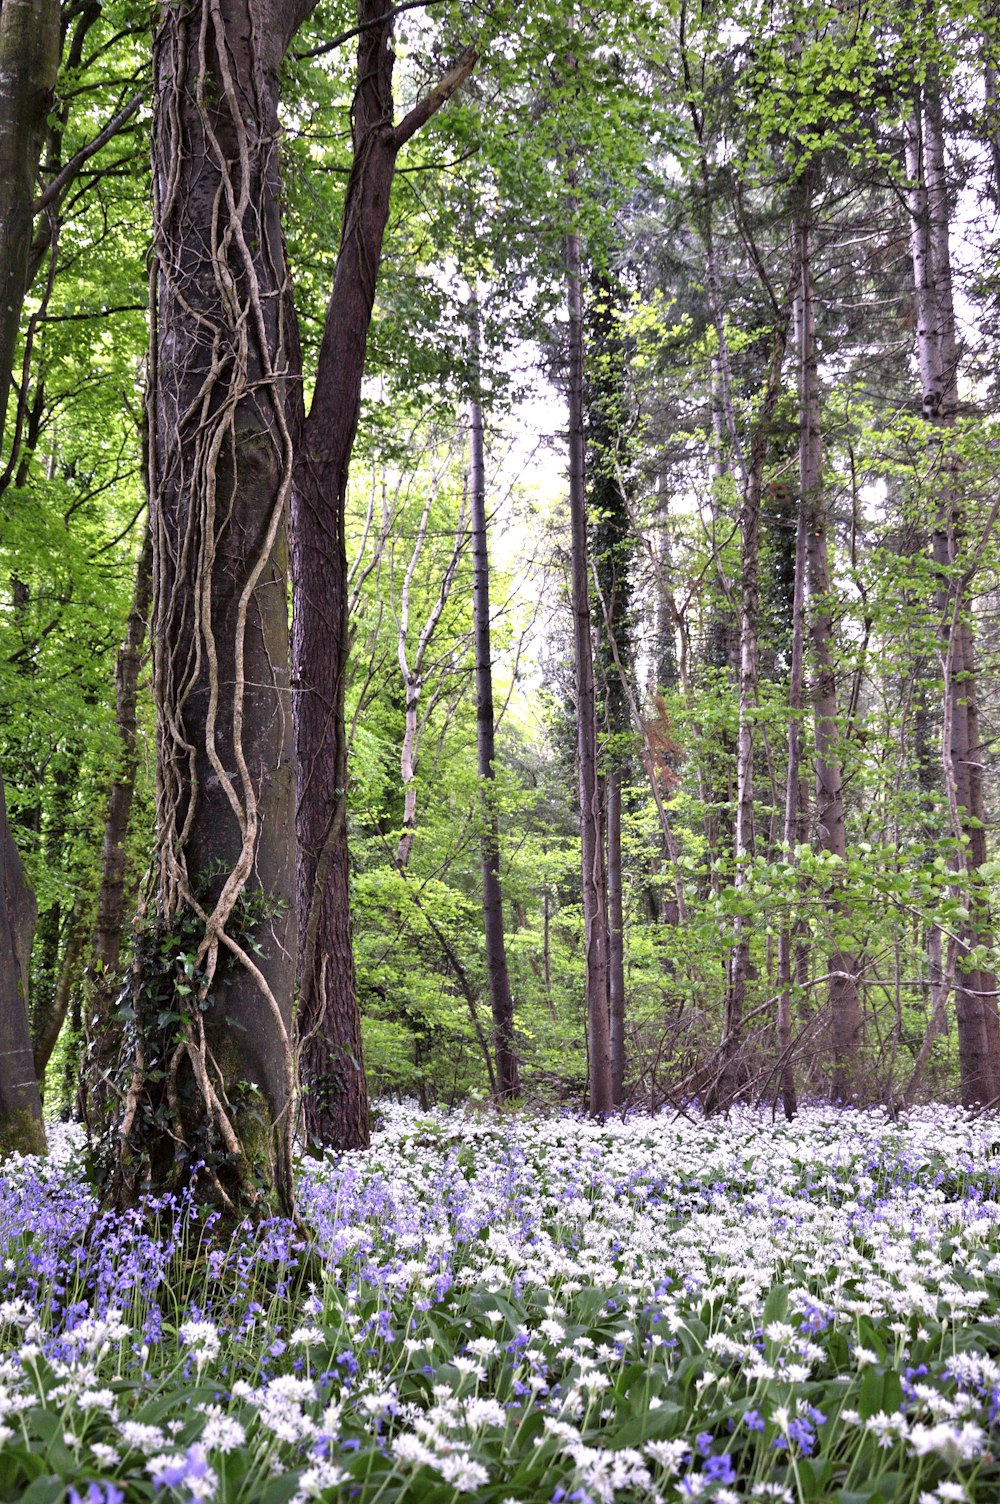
{"x":743,"y":658}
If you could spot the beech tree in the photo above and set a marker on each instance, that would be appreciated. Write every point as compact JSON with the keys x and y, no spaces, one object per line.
{"x":331,"y":1063}
{"x":212,"y":1072}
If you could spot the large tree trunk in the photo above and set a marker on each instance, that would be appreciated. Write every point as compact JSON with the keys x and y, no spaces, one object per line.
{"x":329,"y":1025}
{"x":595,"y":918}
{"x":845,"y":1009}
{"x":103,"y":980}
{"x":501,"y":1002}
{"x":961,"y":751}
{"x":212,"y":1068}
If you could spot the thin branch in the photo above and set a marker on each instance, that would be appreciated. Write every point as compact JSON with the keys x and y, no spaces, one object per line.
{"x":73,"y":166}
{"x":355,"y":31}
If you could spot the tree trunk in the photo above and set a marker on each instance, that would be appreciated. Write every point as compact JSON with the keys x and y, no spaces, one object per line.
{"x":414,"y":724}
{"x":48,"y":1025}
{"x":732,"y":1073}
{"x":501,"y":1002}
{"x":329,"y":1025}
{"x":743,"y":846}
{"x":961,"y":751}
{"x":595,"y":922}
{"x":845,"y":1008}
{"x":616,"y":931}
{"x":611,"y":532}
{"x":103,"y":980}
{"x":794,"y":822}
{"x":21,"y":1126}
{"x":29,"y":66}
{"x":212,"y":1068}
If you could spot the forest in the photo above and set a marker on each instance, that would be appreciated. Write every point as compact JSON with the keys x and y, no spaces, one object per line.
{"x":500,"y":750}
{"x":617,"y":433}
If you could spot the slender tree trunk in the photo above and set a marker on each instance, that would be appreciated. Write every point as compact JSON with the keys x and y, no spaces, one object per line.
{"x":501,"y":1002}
{"x":616,"y":931}
{"x":845,"y":1008}
{"x":21,"y":1126}
{"x":793,"y":832}
{"x":48,"y":1026}
{"x":329,"y":1024}
{"x":103,"y":981}
{"x":595,"y":924}
{"x":413,"y":671}
{"x":212,"y":1067}
{"x":731,"y":1073}
{"x":937,"y":353}
{"x":743,"y":846}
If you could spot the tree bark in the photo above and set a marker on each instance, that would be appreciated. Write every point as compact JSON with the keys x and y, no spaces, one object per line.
{"x":845,"y":1008}
{"x":501,"y":1002}
{"x":731,"y":1073}
{"x":794,"y":822}
{"x":21,"y":1126}
{"x":611,"y":542}
{"x":329,"y":1025}
{"x":595,"y":921}
{"x":103,"y":981}
{"x":29,"y":66}
{"x":414,"y":724}
{"x":961,"y":752}
{"x":48,"y":1026}
{"x":212,"y":1067}
{"x":616,"y":930}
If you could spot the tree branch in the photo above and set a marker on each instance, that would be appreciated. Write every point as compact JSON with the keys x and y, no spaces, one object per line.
{"x":439,"y":95}
{"x":67,"y":173}
{"x":355,"y":31}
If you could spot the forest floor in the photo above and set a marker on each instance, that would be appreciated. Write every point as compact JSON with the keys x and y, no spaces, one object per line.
{"x":526,"y":1311}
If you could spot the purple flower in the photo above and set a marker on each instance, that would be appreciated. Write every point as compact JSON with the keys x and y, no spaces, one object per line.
{"x":720,"y":1469}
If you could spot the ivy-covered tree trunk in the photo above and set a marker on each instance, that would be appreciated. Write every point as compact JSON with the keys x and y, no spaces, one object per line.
{"x":211,"y":1071}
{"x":611,"y":534}
{"x":845,"y":1008}
{"x":329,"y":1025}
{"x":501,"y":1002}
